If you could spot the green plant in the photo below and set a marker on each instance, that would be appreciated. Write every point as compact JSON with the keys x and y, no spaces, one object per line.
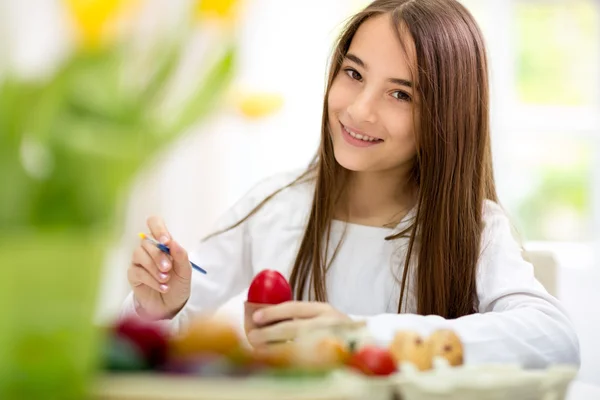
{"x":69,"y":146}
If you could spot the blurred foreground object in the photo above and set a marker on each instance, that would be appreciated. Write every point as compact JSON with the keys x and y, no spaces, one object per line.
{"x":338,"y":361}
{"x":256,"y":105}
{"x":93,"y":19}
{"x":69,"y":146}
{"x":224,"y":10}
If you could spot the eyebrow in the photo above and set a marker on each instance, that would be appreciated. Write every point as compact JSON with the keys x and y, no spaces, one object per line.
{"x":398,"y":81}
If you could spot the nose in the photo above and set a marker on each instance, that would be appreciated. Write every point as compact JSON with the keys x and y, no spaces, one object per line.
{"x":363,"y":108}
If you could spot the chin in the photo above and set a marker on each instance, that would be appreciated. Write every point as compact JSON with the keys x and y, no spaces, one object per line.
{"x":346,"y":157}
{"x":350,"y":161}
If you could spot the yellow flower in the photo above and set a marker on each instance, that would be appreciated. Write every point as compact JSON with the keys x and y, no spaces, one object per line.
{"x":93,"y":18}
{"x":224,"y":10}
{"x":259,"y":105}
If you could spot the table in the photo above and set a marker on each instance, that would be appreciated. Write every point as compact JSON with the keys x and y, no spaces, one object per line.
{"x":583,"y":391}
{"x":149,"y":387}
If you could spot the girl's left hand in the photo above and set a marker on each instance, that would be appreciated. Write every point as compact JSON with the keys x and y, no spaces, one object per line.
{"x":295,"y":316}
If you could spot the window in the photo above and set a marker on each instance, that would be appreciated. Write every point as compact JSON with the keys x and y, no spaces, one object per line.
{"x":552,"y":128}
{"x":551,"y":186}
{"x":557,"y":52}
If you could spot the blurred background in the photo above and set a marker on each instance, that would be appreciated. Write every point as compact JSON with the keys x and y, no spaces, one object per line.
{"x":115,"y":110}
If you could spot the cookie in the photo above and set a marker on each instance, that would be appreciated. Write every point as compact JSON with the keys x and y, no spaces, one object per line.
{"x":411,"y":347}
{"x":446,"y":344}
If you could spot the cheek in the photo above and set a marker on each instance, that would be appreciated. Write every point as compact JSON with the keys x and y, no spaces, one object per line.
{"x":400,"y":126}
{"x":339,"y":94}
{"x":403,"y":131}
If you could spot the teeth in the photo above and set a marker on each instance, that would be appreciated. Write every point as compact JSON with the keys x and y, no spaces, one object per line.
{"x":359,"y":136}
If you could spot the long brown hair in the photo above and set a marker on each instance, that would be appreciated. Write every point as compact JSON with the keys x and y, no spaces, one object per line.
{"x":452,"y":169}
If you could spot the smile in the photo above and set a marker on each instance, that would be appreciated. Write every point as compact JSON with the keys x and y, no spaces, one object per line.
{"x":360,"y":136}
{"x":357,"y":139}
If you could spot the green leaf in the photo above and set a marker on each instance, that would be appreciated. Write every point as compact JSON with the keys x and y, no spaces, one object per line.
{"x":206,"y":97}
{"x":166,"y":61}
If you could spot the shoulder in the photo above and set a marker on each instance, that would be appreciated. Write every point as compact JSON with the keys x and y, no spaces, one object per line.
{"x":492,"y":211}
{"x":502,"y":269}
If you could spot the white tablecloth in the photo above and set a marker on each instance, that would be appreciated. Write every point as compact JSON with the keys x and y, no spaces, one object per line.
{"x":583,"y":391}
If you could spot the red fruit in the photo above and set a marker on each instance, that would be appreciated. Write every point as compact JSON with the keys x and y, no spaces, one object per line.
{"x":269,"y":287}
{"x":372,"y":360}
{"x":148,"y":338}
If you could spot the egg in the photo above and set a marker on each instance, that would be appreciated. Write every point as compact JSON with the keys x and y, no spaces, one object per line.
{"x":206,"y":336}
{"x":148,"y":337}
{"x":122,"y":354}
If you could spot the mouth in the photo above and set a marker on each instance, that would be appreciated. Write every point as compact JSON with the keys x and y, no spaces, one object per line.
{"x":358,"y":138}
{"x":360,"y":135}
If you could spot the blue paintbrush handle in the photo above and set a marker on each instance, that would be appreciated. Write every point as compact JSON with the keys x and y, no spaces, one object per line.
{"x":165,"y":249}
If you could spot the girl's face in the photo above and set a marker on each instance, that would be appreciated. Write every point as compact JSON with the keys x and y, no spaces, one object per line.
{"x":371,"y":102}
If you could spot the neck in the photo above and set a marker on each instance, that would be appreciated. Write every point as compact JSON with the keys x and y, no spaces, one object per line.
{"x":377,"y":198}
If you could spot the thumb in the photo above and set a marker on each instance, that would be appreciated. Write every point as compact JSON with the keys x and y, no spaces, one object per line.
{"x":181,"y":262}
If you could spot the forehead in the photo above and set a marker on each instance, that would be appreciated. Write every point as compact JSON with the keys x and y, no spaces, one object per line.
{"x":377,"y":44}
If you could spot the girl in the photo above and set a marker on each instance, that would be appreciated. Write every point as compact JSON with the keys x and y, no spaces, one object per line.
{"x":395,"y":221}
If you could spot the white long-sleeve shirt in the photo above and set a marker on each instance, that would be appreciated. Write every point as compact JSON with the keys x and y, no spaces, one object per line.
{"x":517,"y":320}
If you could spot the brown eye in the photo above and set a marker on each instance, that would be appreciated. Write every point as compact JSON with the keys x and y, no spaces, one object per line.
{"x":400,"y":95}
{"x":447,"y":348}
{"x":418,"y":342}
{"x":354,"y":74}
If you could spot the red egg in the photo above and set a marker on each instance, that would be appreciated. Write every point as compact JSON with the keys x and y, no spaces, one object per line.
{"x":148,"y":337}
{"x":269,"y":287}
{"x":371,"y":360}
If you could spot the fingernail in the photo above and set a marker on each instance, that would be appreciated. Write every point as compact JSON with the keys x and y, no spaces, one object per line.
{"x":164,"y":239}
{"x":257,"y":316}
{"x":163,"y":276}
{"x":165,"y":264}
{"x":164,"y":288}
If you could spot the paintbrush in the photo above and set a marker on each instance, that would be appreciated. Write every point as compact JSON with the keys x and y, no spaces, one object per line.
{"x":165,"y":249}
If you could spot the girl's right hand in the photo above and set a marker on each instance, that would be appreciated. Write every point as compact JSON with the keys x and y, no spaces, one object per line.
{"x":161,"y":283}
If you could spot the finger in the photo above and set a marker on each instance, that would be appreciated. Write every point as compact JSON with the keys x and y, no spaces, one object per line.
{"x":289,"y":330}
{"x":158,"y":229}
{"x":181,"y":261}
{"x":142,"y":258}
{"x":160,"y":259}
{"x":138,"y":276}
{"x":289,"y":310}
{"x":279,"y":332}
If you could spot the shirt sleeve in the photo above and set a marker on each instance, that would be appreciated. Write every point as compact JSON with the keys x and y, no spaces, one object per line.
{"x":517,"y":321}
{"x":227,"y":258}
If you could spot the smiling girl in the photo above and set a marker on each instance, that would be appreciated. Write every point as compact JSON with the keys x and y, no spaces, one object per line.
{"x":395,"y":222}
